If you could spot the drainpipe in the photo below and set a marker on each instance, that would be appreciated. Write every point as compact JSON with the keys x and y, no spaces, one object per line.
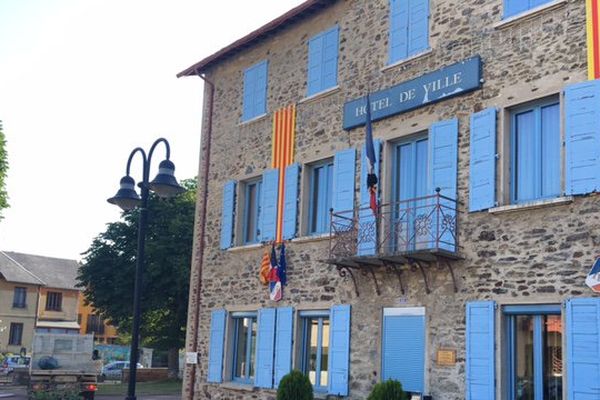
{"x":199,"y":233}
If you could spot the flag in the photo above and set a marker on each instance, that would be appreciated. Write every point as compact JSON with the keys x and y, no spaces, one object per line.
{"x":275,"y":291}
{"x":593,"y":277}
{"x":371,"y":176}
{"x":282,"y":267}
{"x":265,"y":266}
{"x":593,"y":38}
{"x":284,"y":125}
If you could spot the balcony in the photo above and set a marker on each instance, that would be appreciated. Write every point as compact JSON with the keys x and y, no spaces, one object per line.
{"x":413,"y":234}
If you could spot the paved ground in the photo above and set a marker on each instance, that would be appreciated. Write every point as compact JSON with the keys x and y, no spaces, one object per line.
{"x":20,"y":393}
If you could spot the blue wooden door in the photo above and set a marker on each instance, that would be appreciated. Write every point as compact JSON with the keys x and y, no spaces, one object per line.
{"x":410,"y":184}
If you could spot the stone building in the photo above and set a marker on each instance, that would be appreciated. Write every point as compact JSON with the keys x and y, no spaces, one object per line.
{"x":470,"y":281}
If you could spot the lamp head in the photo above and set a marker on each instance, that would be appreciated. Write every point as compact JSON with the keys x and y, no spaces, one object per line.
{"x":126,"y":197}
{"x":165,"y":184}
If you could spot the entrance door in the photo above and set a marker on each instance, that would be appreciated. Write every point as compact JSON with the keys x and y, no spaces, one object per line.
{"x":410,"y":184}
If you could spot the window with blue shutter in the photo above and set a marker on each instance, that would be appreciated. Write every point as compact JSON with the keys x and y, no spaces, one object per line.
{"x":482,"y":162}
{"x":583,"y":348}
{"x":409,"y":182}
{"x":344,"y":168}
{"x":322,"y":61}
{"x":244,"y":347}
{"x":320,"y":197}
{"x":582,"y":130}
{"x":265,"y":348}
{"x":535,"y":148}
{"x":290,"y":202}
{"x":255,"y":91}
{"x":268,"y":209}
{"x":409,"y":28}
{"x":339,"y":350}
{"x":443,"y":168}
{"x":480,"y":355}
{"x":535,"y":355}
{"x":283,"y":343}
{"x":367,"y":245}
{"x":252,"y":208}
{"x":314,"y":350}
{"x":403,"y":347}
{"x":516,"y":7}
{"x":227,"y":215}
{"x":217,"y":342}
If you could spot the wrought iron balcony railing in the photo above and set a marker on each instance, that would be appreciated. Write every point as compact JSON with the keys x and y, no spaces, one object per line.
{"x":402,"y":228}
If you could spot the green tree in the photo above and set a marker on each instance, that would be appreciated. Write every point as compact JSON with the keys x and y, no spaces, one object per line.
{"x":107,"y":272}
{"x":3,"y":172}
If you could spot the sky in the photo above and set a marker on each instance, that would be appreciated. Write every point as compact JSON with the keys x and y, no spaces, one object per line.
{"x":84,"y":82}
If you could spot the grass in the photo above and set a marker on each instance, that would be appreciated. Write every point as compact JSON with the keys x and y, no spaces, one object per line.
{"x":142,"y":388}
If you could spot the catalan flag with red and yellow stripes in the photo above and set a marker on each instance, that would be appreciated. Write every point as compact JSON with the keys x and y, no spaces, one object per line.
{"x":284,"y":126}
{"x":593,"y":37}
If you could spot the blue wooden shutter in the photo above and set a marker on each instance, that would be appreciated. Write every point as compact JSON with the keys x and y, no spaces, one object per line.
{"x":315,"y":65}
{"x":249,"y":89}
{"x":330,"y":58}
{"x":583,"y":348}
{"x":268,"y":204}
{"x":482,"y":163}
{"x":290,"y":202}
{"x":217,"y":341}
{"x":260,"y":90}
{"x":367,"y":230}
{"x":339,"y":350}
{"x":265,"y":348}
{"x":514,"y":7}
{"x":403,"y":350}
{"x":344,"y":166}
{"x":227,"y":213}
{"x":582,"y":125}
{"x":283,"y":343}
{"x":480,"y":356}
{"x":443,"y":164}
{"x":418,"y":26}
{"x":398,"y":30}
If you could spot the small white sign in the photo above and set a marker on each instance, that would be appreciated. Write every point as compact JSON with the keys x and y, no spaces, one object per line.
{"x":191,"y":357}
{"x":593,"y":277}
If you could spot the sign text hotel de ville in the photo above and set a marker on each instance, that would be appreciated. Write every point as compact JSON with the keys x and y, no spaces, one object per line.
{"x":446,"y":82}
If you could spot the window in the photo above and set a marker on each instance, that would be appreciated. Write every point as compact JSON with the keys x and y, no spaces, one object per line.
{"x":252,"y":212}
{"x":320,"y":201}
{"x":255,"y":91}
{"x":409,"y":28}
{"x":322,"y":61}
{"x":95,"y":324}
{"x":515,"y":7}
{"x":535,"y":144}
{"x":20,"y":297}
{"x":314,"y":352}
{"x":16,"y":334}
{"x":244,"y":347}
{"x":409,"y":182}
{"x":535,"y":361}
{"x":53,"y":301}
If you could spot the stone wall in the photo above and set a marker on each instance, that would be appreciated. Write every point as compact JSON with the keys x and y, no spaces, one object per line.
{"x":533,"y":255}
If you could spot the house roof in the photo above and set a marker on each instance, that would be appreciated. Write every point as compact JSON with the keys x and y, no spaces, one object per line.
{"x":298,"y":13}
{"x":52,"y":272}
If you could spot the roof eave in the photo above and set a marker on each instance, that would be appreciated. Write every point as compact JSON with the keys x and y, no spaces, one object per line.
{"x":300,"y":11}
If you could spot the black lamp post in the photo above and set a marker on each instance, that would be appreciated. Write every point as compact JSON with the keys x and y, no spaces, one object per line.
{"x":164,"y":185}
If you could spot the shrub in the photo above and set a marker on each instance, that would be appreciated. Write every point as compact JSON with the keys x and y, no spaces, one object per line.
{"x":388,"y":390}
{"x":295,"y":386}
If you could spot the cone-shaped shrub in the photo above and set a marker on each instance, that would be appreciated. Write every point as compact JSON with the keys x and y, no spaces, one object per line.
{"x":295,"y":386}
{"x":388,"y":390}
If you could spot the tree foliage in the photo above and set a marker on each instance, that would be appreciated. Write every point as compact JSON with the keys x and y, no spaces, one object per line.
{"x":388,"y":390}
{"x":295,"y":386}
{"x":107,"y":272}
{"x":3,"y":172}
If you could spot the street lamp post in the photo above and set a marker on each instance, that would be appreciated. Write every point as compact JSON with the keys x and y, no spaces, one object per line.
{"x":164,"y":185}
